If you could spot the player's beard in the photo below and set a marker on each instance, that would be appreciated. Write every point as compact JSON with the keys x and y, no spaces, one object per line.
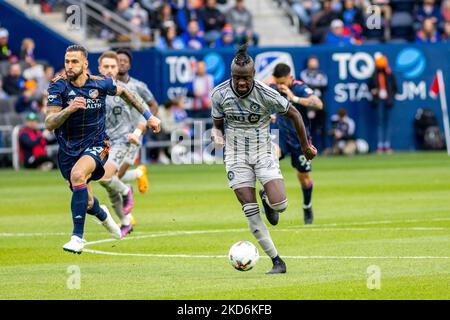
{"x":74,"y":76}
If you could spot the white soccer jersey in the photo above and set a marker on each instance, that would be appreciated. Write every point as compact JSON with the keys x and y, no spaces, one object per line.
{"x":247,"y":119}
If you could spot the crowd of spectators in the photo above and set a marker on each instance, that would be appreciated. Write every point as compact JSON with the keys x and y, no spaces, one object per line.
{"x":181,"y":24}
{"x":23,"y":79}
{"x":346,"y":22}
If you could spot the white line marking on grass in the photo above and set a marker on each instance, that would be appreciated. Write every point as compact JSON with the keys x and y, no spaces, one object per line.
{"x":375,"y":222}
{"x":304,"y":229}
{"x":161,"y":255}
{"x":175,"y":233}
{"x":35,"y":234}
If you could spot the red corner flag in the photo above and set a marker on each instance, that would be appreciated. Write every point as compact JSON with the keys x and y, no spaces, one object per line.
{"x":434,"y":89}
{"x":438,"y":89}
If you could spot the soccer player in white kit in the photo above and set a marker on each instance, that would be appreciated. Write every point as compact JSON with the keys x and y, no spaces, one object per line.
{"x":241,"y":111}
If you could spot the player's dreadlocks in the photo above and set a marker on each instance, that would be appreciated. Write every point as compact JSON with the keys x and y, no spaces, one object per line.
{"x":242,"y":58}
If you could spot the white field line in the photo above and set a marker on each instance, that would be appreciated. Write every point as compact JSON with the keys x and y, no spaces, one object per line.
{"x":177,"y":233}
{"x":160,"y":255}
{"x":316,"y":228}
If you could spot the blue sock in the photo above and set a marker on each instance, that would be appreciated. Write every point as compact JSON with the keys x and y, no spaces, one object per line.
{"x":307,"y":195}
{"x":79,"y":205}
{"x":97,"y":211}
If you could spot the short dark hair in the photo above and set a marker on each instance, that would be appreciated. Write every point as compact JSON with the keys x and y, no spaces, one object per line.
{"x":79,"y":48}
{"x":126,"y":52}
{"x":341,"y":112}
{"x":281,"y":70}
{"x":242,"y":58}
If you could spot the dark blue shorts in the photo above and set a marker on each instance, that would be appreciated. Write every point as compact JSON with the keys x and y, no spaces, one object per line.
{"x":99,"y":152}
{"x":298,"y":160}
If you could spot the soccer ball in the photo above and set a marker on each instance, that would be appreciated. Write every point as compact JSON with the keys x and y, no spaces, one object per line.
{"x":243,"y":255}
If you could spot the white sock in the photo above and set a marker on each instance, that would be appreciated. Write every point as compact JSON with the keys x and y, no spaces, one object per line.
{"x":259,"y":229}
{"x":117,"y":185}
{"x":132,"y":175}
{"x":126,"y":220}
{"x":116,"y":202}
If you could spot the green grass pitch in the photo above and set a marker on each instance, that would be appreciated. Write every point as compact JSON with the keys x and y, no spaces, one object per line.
{"x":392,"y":212}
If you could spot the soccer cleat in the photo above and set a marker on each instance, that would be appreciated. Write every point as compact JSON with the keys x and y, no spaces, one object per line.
{"x":142,"y":181}
{"x":308,"y":215}
{"x":128,"y":201}
{"x":278,"y":266}
{"x":271,"y":215}
{"x":111,"y":225}
{"x":126,"y":230}
{"x":75,"y":245}
{"x":132,"y":220}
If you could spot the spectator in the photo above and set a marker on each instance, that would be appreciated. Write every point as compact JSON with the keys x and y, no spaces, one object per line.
{"x":321,"y":22}
{"x":5,"y":52}
{"x":241,"y":20}
{"x":202,"y":86}
{"x":33,"y":145}
{"x":317,"y":80}
{"x":351,"y":15}
{"x":193,"y":38}
{"x":445,"y":10}
{"x":14,"y":83}
{"x":27,"y":101}
{"x":336,"y":34}
{"x":48,"y":6}
{"x":383,"y":87}
{"x":44,"y":82}
{"x":27,"y":50}
{"x":35,"y":71}
{"x":446,"y":34}
{"x":342,"y":133}
{"x":213,"y":21}
{"x":226,"y":40}
{"x":165,"y":17}
{"x":188,"y":13}
{"x":223,"y":6}
{"x":428,"y":10}
{"x":428,"y":33}
{"x":169,"y":39}
{"x":140,"y":28}
{"x":138,"y":11}
{"x":305,"y":10}
{"x":124,"y":10}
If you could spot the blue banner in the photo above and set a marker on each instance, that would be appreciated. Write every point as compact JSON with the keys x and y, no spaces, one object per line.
{"x":348,"y":69}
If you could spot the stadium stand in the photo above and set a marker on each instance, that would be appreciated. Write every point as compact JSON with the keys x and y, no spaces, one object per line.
{"x":145,"y":23}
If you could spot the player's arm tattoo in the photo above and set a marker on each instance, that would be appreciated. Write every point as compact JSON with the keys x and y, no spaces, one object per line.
{"x":153,"y":106}
{"x":296,"y":118}
{"x":131,"y":99}
{"x":56,"y":117}
{"x":312,"y":102}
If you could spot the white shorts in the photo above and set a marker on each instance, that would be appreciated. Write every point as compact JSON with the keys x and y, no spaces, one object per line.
{"x":117,"y":153}
{"x":132,"y":153}
{"x":242,"y":174}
